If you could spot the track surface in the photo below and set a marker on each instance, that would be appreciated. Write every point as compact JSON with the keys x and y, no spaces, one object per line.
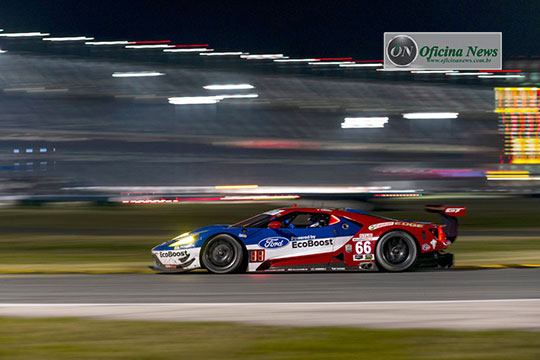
{"x":468,"y":300}
{"x":318,"y":287}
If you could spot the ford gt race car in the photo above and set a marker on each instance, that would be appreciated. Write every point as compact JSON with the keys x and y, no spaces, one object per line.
{"x":310,"y":239}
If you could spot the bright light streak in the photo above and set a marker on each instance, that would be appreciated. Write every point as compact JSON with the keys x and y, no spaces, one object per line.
{"x":188,"y":50}
{"x":151,"y":42}
{"x":137,"y":74}
{"x":429,"y":115}
{"x":361,"y":65}
{"x":432,"y":71}
{"x":153,"y":46}
{"x":232,"y":187}
{"x":98,"y":43}
{"x":73,"y":38}
{"x":193,"y":100}
{"x":228,"y":87}
{"x":3,"y":51}
{"x":260,"y":197}
{"x":334,"y":59}
{"x":364,"y":122}
{"x":295,"y":60}
{"x":263,"y":56}
{"x":237,"y":96}
{"x":330,"y":62}
{"x":466,"y":73}
{"x":28,"y":34}
{"x":192,"y":46}
{"x":501,"y":76}
{"x":229,"y":53}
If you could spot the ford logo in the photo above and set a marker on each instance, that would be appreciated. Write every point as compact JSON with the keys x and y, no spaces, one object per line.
{"x":273,"y":242}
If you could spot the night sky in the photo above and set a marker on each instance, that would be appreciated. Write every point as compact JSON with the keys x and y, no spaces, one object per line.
{"x":295,"y":28}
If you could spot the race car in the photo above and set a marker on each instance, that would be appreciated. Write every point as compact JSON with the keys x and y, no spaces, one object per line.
{"x":311,"y":239}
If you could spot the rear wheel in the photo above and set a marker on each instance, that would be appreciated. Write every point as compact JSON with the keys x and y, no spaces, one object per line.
{"x":223,"y":254}
{"x":396,"y":251}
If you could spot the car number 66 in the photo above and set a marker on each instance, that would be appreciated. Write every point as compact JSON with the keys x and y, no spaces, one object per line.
{"x":363,"y":247}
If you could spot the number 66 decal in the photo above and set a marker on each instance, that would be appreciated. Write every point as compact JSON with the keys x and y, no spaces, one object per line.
{"x":363,"y":247}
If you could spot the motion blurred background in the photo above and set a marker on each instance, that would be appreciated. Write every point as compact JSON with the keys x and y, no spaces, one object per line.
{"x":165,"y":110}
{"x":125,"y":123}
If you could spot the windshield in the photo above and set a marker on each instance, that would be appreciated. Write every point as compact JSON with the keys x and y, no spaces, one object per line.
{"x":254,"y":221}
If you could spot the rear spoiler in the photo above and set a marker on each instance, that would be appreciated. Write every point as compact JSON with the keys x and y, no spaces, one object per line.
{"x":448,"y":218}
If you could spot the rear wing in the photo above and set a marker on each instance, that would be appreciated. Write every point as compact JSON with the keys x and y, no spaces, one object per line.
{"x":448,"y":218}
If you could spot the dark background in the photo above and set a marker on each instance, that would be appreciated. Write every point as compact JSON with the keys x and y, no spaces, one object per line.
{"x":296,"y":28}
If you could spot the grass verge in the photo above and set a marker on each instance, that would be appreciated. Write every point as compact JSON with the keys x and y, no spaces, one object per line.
{"x":107,"y":339}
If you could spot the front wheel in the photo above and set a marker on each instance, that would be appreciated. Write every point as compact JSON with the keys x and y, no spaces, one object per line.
{"x":223,"y":254}
{"x":396,"y":251}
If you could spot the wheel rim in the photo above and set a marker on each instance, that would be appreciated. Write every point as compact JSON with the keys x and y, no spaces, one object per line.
{"x":396,"y":250}
{"x":221,"y":254}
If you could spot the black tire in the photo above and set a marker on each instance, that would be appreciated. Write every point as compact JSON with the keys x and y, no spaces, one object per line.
{"x":396,"y":251}
{"x":223,"y":254}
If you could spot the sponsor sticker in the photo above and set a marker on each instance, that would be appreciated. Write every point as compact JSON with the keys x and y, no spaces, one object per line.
{"x":380,"y":225}
{"x":242,"y":235}
{"x":426,"y":247}
{"x":312,"y":243}
{"x":273,"y":242}
{"x":363,"y":257}
{"x":166,"y":254}
{"x":363,"y":247}
{"x":348,"y":248}
{"x":306,"y":237}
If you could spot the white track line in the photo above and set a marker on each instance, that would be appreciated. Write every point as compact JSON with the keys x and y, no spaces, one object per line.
{"x":269,"y":303}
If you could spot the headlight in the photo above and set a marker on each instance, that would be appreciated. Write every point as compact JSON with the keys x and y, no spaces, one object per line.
{"x":184,"y":239}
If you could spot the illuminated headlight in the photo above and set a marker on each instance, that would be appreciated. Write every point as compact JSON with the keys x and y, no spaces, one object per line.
{"x":184,"y":239}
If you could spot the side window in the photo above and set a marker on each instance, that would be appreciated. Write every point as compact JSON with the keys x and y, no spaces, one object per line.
{"x":304,"y":220}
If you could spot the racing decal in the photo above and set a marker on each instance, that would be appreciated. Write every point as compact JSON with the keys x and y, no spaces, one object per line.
{"x":433,"y":243}
{"x":426,"y":247}
{"x":256,"y":256}
{"x":274,"y":212}
{"x":455,"y":211}
{"x":168,"y":254}
{"x":306,"y":237}
{"x":242,"y":235}
{"x":348,"y":248}
{"x":380,"y":225}
{"x":362,"y":237}
{"x":273,"y":242}
{"x":312,"y":243}
{"x":363,"y":257}
{"x":395,"y":223}
{"x":364,"y":247}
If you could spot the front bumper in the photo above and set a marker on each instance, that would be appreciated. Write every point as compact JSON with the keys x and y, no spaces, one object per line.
{"x":176,"y":260}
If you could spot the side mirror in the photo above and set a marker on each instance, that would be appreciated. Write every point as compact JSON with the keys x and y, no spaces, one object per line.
{"x":274,"y":225}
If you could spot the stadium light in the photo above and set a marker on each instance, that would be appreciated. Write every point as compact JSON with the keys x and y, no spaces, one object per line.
{"x":28,"y":34}
{"x":228,"y":87}
{"x":187,"y":50}
{"x":364,"y":122}
{"x":99,"y":43}
{"x":361,"y":65}
{"x":431,"y":115}
{"x":137,"y":74}
{"x":72,"y":38}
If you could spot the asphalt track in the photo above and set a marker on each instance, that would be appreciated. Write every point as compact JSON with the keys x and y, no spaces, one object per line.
{"x":456,"y":299}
